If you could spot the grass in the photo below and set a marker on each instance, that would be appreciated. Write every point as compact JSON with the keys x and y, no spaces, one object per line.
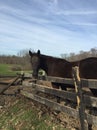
{"x":21,"y":115}
{"x":5,"y":69}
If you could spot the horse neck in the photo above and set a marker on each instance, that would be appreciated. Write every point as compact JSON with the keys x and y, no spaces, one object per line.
{"x":49,"y":64}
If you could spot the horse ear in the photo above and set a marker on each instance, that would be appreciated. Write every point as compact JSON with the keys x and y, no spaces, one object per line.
{"x":38,"y":52}
{"x":30,"y":53}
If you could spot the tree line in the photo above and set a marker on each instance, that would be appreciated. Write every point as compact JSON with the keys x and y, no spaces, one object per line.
{"x":81,"y":55}
{"x":23,"y":58}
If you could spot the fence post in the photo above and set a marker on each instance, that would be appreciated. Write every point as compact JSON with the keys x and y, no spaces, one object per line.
{"x":80,"y":99}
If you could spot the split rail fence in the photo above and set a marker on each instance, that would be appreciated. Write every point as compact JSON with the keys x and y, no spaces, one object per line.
{"x":78,"y":97}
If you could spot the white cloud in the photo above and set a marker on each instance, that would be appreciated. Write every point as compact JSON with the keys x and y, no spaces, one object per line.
{"x":76,"y":12}
{"x":85,"y":24}
{"x":54,"y":26}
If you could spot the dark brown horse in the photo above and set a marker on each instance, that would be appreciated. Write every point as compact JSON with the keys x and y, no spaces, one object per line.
{"x":61,"y":68}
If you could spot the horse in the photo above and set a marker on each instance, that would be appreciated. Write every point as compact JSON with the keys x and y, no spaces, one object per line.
{"x":62,"y":68}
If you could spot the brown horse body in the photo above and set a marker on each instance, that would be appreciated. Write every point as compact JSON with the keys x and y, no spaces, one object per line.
{"x":61,"y":68}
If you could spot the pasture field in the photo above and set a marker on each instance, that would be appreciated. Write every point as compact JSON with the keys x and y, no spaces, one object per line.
{"x":6,"y":69}
{"x":10,"y":69}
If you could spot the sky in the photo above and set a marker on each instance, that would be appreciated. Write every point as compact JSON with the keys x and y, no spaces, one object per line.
{"x":54,"y":26}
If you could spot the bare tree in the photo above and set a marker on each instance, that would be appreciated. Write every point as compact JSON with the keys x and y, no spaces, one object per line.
{"x":81,"y":55}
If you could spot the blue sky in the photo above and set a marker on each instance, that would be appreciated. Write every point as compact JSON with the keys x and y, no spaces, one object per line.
{"x":53,"y":26}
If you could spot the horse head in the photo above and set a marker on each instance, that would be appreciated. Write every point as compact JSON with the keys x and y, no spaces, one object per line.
{"x":35,"y":62}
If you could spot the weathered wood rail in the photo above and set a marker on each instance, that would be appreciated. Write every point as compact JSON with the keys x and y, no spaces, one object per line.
{"x":15,"y":81}
{"x":56,"y":106}
{"x":78,"y":97}
{"x":89,"y":100}
{"x":90,"y":83}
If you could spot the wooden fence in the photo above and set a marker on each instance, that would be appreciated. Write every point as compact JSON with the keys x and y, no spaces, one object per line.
{"x":78,"y":97}
{"x":15,"y":80}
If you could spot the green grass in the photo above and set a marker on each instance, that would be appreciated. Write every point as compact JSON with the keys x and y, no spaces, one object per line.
{"x":24,"y":116}
{"x":5,"y":69}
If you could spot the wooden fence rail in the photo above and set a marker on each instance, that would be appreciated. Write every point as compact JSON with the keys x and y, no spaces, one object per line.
{"x":90,"y":83}
{"x":83,"y":100}
{"x":18,"y":79}
{"x":89,"y":100}
{"x":56,"y":106}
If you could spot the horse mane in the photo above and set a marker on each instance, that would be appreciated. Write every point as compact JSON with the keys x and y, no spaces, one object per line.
{"x":53,"y":58}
